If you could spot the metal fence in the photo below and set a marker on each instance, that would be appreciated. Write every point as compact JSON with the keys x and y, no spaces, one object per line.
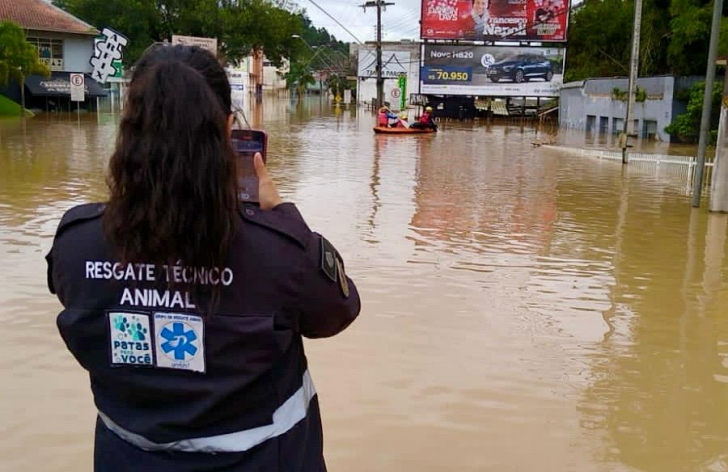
{"x":681,"y":167}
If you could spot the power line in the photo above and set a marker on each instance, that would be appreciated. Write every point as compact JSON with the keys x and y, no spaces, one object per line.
{"x":336,"y":21}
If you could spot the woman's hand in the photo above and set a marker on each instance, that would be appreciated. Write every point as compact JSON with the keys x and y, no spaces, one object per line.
{"x":268,"y":193}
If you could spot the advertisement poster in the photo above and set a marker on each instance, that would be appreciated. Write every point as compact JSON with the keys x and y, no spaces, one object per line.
{"x":495,"y":20}
{"x":495,"y":71}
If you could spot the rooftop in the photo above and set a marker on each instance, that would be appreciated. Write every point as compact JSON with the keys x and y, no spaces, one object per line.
{"x":40,"y":15}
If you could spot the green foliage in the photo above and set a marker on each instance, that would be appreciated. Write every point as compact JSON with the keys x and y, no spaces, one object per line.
{"x":337,"y":83}
{"x":18,"y":58}
{"x":598,"y":42}
{"x":674,"y":38}
{"x":241,"y":26}
{"x":640,"y":95}
{"x":619,"y":94}
{"x":686,"y":127}
{"x":10,"y":108}
{"x":299,"y":77}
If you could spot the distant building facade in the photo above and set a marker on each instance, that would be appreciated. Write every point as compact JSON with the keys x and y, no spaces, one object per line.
{"x":64,"y":42}
{"x":260,"y":74}
{"x":599,"y":106}
{"x":398,"y":57}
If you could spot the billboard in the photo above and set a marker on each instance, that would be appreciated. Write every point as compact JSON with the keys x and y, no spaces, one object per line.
{"x":497,"y":71}
{"x":495,"y":20}
{"x":394,"y":64}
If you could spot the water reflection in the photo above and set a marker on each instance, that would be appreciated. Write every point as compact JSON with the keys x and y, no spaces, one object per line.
{"x":524,"y":309}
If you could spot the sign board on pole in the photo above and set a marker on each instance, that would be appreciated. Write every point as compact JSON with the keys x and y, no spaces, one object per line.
{"x":237,"y":84}
{"x":205,"y":43}
{"x":78,"y":86}
{"x":499,"y":71}
{"x":108,"y":54}
{"x":347,"y":97}
{"x":394,"y":63}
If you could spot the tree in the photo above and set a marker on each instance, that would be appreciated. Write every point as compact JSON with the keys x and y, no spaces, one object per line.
{"x":299,"y":77}
{"x":255,"y":25}
{"x":686,"y":127}
{"x":674,"y":38}
{"x":18,"y":58}
{"x":241,"y":26}
{"x":337,"y":83}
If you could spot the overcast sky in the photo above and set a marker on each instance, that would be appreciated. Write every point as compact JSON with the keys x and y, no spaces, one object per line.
{"x":398,"y":22}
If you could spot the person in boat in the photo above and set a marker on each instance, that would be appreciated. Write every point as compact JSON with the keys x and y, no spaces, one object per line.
{"x":384,"y":116}
{"x":426,"y":121}
{"x":402,"y":121}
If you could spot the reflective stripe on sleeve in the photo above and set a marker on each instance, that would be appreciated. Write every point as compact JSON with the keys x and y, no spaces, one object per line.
{"x":285,"y":418}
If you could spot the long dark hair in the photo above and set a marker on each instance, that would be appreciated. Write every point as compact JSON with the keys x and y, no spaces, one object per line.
{"x":172,"y":176}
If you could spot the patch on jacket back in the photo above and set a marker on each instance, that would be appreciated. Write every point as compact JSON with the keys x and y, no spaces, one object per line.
{"x":179,"y":341}
{"x":162,"y":340}
{"x":130,"y":339}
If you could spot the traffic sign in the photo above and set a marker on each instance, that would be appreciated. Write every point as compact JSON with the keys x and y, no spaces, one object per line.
{"x":78,"y":86}
{"x":396,"y":93}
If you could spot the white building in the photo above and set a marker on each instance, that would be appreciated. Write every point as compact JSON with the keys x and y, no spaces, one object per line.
{"x":64,"y":42}
{"x":262,"y":73}
{"x":398,"y":58}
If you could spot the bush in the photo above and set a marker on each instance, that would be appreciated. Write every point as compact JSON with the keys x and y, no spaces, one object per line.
{"x":686,"y":127}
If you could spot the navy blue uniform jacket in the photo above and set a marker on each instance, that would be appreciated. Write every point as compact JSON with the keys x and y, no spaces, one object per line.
{"x":178,"y":389}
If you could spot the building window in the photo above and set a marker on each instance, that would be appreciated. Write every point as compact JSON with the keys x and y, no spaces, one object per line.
{"x":50,"y":51}
{"x":603,"y":124}
{"x":649,"y":129}
{"x":618,"y":126}
{"x":591,"y":123}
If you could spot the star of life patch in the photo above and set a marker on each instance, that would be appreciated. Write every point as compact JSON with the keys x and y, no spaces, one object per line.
{"x":130,"y":339}
{"x":179,"y":341}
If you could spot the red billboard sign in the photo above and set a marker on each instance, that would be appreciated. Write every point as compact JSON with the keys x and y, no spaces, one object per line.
{"x":495,"y":20}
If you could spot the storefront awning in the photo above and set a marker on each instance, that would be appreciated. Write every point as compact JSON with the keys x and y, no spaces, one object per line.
{"x":59,"y":85}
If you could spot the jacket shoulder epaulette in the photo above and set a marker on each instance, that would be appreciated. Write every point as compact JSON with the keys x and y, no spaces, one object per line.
{"x":285,"y":219}
{"x":78,"y":214}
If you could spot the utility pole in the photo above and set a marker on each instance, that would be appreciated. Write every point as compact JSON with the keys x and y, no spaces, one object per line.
{"x":629,"y":130}
{"x":707,"y":102}
{"x":379,"y":5}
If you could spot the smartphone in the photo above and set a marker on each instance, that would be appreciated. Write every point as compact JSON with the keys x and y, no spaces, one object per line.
{"x":246,"y":143}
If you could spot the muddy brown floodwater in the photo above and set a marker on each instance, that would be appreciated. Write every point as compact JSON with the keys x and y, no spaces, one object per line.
{"x":524,"y":310}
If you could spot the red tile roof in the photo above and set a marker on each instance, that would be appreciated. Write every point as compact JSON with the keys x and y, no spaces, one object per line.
{"x":40,"y":15}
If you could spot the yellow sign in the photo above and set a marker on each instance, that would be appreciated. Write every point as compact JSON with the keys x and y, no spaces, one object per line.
{"x":338,"y":98}
{"x":725,"y":101}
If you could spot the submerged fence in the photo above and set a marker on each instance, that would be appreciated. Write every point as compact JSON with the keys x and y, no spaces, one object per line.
{"x":681,"y":167}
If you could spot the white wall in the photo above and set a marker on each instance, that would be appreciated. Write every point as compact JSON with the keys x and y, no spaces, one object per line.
{"x":594,"y":98}
{"x":77,"y":51}
{"x":367,"y":87}
{"x":272,"y":78}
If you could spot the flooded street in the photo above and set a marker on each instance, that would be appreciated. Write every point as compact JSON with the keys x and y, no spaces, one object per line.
{"x":523,"y":309}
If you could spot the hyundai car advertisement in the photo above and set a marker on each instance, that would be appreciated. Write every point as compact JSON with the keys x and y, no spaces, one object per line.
{"x":495,"y":20}
{"x":492,"y":71}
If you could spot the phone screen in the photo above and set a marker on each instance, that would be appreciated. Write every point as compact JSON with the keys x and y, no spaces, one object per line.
{"x":246,"y":144}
